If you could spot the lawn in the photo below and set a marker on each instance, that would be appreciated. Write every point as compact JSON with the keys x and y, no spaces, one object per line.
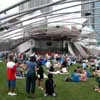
{"x":64,"y":90}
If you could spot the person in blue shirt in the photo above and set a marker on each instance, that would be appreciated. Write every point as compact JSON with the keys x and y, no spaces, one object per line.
{"x":84,"y":65}
{"x":31,"y":75}
{"x":75,"y":77}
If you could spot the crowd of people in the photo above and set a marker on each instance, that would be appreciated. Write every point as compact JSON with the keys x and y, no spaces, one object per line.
{"x":34,"y":72}
{"x":33,"y":68}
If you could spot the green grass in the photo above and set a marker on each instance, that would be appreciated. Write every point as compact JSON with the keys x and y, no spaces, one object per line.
{"x":64,"y":90}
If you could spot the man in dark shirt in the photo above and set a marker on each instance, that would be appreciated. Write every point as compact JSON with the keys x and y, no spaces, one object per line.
{"x":49,"y":86}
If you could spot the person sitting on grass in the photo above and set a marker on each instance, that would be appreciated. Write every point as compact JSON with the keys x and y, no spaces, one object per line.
{"x":78,"y":70}
{"x":93,"y":72}
{"x":75,"y":77}
{"x":63,"y":67}
{"x":98,"y":79}
{"x":49,"y":86}
{"x":83,"y":75}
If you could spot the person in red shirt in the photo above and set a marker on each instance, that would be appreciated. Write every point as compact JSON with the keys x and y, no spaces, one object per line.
{"x":11,"y":76}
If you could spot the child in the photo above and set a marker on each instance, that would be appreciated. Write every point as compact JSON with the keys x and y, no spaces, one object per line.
{"x":51,"y":69}
{"x":11,"y":76}
{"x":40,"y":75}
{"x":49,"y":86}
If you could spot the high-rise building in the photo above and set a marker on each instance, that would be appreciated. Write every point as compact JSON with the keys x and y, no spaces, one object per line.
{"x":88,"y":12}
{"x":97,"y":20}
{"x":92,"y":12}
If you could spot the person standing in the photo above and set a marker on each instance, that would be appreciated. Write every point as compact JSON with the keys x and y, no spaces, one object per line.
{"x":11,"y":76}
{"x":31,"y":76}
{"x":49,"y":86}
{"x":40,"y":75}
{"x":97,"y":72}
{"x":84,"y":65}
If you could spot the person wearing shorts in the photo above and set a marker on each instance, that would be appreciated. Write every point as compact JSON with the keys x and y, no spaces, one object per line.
{"x":40,"y":75}
{"x":11,"y":76}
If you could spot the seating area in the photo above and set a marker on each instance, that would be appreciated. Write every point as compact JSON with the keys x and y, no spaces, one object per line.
{"x":69,"y":90}
{"x":49,"y":49}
